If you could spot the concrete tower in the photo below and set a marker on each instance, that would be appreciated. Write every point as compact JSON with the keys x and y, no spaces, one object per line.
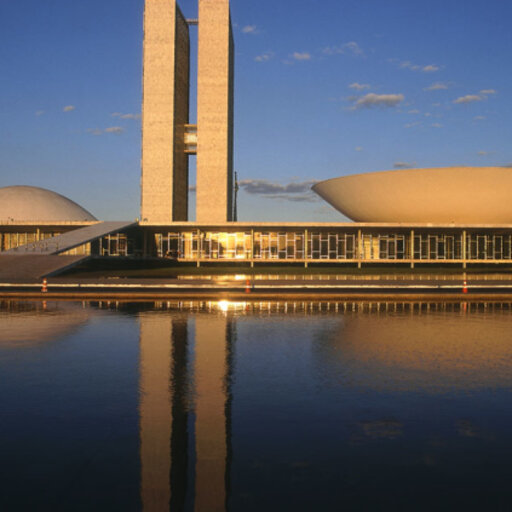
{"x":215,"y":113}
{"x":167,"y":138}
{"x":165,"y":113}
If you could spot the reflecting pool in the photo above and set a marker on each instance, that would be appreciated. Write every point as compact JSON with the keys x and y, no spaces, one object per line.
{"x":217,"y":406}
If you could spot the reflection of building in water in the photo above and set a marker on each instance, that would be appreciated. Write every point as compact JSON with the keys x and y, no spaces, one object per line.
{"x":170,"y":374}
{"x":422,"y":349}
{"x":33,"y":323}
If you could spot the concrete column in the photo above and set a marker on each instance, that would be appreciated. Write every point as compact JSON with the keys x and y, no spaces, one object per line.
{"x":252,"y":248}
{"x":306,"y":248}
{"x":412,"y":248}
{"x":464,"y":252}
{"x":360,"y":248}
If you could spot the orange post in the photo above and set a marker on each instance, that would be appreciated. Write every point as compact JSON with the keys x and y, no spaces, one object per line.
{"x":248,"y":286}
{"x":465,"y":287}
{"x":44,"y":288}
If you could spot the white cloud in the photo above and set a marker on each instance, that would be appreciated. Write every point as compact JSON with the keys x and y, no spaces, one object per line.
{"x":114,"y":129}
{"x":264,"y":57}
{"x":359,"y":87}
{"x":371,"y":100}
{"x":359,"y":148}
{"x":412,"y":125}
{"x":484,"y":153}
{"x":438,"y":86}
{"x":95,"y":131}
{"x":407,"y":64}
{"x":413,"y":111}
{"x":431,"y":68}
{"x":39,"y":113}
{"x":125,"y":116}
{"x":469,"y":98}
{"x":404,"y":165}
{"x":479,"y":118}
{"x":351,"y":48}
{"x":301,"y":56}
{"x":488,"y":92}
{"x":68,"y":108}
{"x":436,"y":125}
{"x":250,"y":29}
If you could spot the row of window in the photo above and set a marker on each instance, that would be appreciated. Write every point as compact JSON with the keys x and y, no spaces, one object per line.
{"x":297,"y":246}
{"x":331,"y":246}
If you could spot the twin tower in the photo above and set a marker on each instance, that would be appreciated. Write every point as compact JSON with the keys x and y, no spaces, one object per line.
{"x":168,"y":138}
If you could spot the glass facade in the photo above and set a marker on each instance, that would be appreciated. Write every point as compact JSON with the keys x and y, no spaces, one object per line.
{"x":363,"y":245}
{"x":360,"y":244}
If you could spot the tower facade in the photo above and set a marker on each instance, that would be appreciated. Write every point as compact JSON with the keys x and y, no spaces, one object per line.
{"x":214,"y":113}
{"x":167,"y":137}
{"x":165,"y":113}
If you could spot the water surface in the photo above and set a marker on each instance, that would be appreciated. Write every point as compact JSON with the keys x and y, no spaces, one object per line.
{"x":255,"y":406}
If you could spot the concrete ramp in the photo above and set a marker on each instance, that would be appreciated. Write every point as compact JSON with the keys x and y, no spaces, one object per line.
{"x":27,"y":267}
{"x":41,"y":259}
{"x":70,"y":240}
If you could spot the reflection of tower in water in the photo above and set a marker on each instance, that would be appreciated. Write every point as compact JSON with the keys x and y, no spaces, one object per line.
{"x":170,"y":373}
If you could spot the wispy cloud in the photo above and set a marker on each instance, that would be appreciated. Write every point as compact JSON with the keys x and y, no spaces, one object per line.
{"x":372,"y":100}
{"x":301,"y":56}
{"x":436,"y":125}
{"x":479,"y":118}
{"x":114,"y":129}
{"x":469,"y":98}
{"x":404,"y":165}
{"x":39,"y":113}
{"x":359,"y":148}
{"x":431,"y":68}
{"x":488,"y":92}
{"x":359,"y":87}
{"x":125,"y":116}
{"x":407,"y":64}
{"x":413,"y":111}
{"x":484,"y":153}
{"x":250,"y":29}
{"x":437,"y":86}
{"x":295,"y":191}
{"x":68,"y":108}
{"x":350,"y":48}
{"x":264,"y":57}
{"x":412,"y":125}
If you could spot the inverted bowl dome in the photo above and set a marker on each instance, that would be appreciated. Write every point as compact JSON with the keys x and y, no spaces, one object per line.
{"x":33,"y":204}
{"x":461,"y":195}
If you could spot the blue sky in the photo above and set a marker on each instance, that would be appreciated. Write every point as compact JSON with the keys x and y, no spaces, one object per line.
{"x":322,"y":89}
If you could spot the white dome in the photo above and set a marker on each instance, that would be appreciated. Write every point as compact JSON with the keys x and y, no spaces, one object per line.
{"x":24,"y":204}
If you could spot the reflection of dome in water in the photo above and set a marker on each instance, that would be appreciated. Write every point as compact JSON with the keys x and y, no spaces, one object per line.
{"x":22,"y":204}
{"x":33,"y":324}
{"x":429,"y":352}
